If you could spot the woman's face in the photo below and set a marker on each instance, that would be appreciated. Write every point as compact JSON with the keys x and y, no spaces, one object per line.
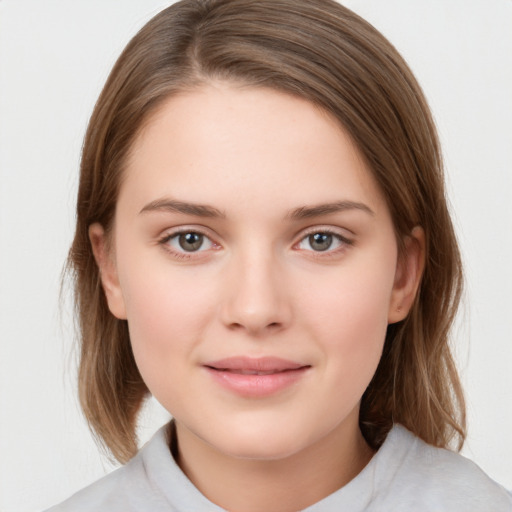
{"x":255,"y":260}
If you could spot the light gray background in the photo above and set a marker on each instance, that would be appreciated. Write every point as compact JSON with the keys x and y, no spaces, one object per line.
{"x":54,"y":58}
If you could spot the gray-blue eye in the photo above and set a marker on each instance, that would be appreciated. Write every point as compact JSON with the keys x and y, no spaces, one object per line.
{"x":190,"y":242}
{"x":321,"y":241}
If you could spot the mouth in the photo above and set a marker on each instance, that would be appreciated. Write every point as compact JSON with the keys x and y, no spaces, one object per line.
{"x":256,"y":377}
{"x":249,"y":372}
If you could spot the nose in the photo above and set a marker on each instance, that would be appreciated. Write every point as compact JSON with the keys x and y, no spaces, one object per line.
{"x":255,"y":296}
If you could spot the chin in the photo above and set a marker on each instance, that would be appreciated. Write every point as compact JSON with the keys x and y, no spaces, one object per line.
{"x":263,"y":449}
{"x":259,"y":440}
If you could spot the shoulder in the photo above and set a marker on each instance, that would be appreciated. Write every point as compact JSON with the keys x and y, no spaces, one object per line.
{"x":151,"y":481}
{"x":436,"y":479}
{"x":127,"y":489}
{"x":98,"y":496}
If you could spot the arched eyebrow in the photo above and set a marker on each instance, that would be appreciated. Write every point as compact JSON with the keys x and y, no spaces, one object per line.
{"x":171,"y":205}
{"x":306,"y":212}
{"x":204,"y":210}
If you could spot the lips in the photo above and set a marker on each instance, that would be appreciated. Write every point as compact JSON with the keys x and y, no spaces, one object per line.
{"x":256,"y":377}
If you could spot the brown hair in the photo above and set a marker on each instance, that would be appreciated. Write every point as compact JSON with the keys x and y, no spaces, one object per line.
{"x":325,"y":53}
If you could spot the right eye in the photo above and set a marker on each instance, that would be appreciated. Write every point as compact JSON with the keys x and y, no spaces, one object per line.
{"x":187,"y":242}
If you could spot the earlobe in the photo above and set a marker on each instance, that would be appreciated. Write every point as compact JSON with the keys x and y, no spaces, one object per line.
{"x":408,"y":276}
{"x":108,"y":271}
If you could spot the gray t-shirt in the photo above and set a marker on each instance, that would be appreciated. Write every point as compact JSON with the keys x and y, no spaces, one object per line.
{"x":405,"y":475}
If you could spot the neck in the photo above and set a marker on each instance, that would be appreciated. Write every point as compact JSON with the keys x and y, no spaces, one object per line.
{"x":278,"y":485}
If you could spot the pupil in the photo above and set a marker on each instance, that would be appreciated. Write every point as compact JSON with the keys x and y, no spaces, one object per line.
{"x":320,"y":241}
{"x":191,"y":241}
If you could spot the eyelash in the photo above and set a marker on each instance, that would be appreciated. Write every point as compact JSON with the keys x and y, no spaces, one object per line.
{"x":344,"y":241}
{"x":164,"y":242}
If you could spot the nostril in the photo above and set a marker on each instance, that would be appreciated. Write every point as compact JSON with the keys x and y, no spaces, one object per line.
{"x":236,"y":326}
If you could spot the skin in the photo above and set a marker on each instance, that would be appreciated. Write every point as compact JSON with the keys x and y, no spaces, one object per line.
{"x":256,"y":287}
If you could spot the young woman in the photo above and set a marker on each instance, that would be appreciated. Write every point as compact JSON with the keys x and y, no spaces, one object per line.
{"x":263,"y":244}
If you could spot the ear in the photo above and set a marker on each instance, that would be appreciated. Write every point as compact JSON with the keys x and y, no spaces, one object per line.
{"x":108,"y":271}
{"x":409,"y":270}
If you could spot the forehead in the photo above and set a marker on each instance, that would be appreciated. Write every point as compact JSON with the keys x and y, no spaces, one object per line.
{"x":224,"y":143}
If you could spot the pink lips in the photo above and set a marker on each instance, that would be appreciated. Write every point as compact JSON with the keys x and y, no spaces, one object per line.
{"x":255,"y":377}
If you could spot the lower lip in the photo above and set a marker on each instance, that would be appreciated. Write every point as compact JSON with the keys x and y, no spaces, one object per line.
{"x":257,"y":386}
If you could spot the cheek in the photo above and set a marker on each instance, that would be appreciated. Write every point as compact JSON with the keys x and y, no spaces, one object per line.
{"x":167,"y":317}
{"x":354,"y":298}
{"x":350,"y":320}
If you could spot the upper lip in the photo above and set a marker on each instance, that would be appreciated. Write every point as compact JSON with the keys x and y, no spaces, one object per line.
{"x":255,"y":365}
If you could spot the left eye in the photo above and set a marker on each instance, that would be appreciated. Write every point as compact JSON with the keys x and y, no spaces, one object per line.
{"x":189,"y":242}
{"x":321,"y":242}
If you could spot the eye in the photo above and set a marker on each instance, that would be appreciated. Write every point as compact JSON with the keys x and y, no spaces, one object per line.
{"x":323,"y":241}
{"x":189,"y":241}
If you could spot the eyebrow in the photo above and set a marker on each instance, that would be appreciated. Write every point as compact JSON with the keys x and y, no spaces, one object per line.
{"x":171,"y":205}
{"x":204,"y":210}
{"x":306,"y":212}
